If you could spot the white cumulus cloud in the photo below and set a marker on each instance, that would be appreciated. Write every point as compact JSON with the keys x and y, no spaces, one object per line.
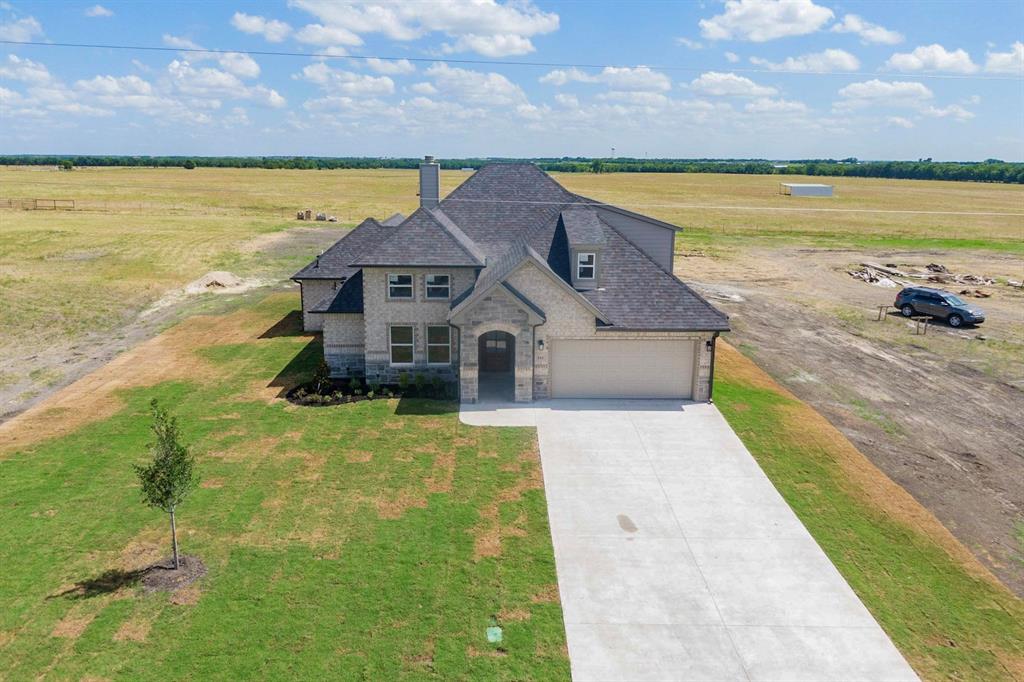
{"x":825,"y":61}
{"x":1006,"y":62}
{"x":21,"y":30}
{"x":762,"y":20}
{"x":633,"y":78}
{"x":721,"y":84}
{"x":765,"y":105}
{"x":886,"y":93}
{"x":346,"y":82}
{"x":97,"y":11}
{"x":391,"y":66}
{"x":272,"y":30}
{"x":868,"y":32}
{"x":933,"y":58}
{"x":476,"y":87}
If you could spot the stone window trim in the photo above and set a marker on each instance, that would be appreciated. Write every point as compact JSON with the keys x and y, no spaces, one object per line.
{"x":401,"y":281}
{"x":401,"y":344}
{"x":447,"y":346}
{"x":586,"y":265}
{"x":437,"y":287}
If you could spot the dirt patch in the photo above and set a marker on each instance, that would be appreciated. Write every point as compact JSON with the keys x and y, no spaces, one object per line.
{"x":440,"y":480}
{"x":135,"y":629}
{"x":358,"y":456}
{"x":6,"y":637}
{"x":212,"y":483}
{"x":514,"y":615}
{"x":186,"y":596}
{"x":473,"y":652}
{"x":162,"y":576}
{"x":546,"y":595}
{"x":72,"y":625}
{"x":395,"y":507}
{"x":938,"y":414}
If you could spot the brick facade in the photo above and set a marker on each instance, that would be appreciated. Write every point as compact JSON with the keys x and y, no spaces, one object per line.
{"x":313,"y":291}
{"x":344,"y":344}
{"x":380,"y":313}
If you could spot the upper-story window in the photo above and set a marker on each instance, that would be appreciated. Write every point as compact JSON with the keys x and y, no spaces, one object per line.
{"x":439,"y":287}
{"x":586,"y":264}
{"x":399,"y":286}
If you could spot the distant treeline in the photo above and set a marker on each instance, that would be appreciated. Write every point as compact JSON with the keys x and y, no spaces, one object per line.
{"x":991,"y":170}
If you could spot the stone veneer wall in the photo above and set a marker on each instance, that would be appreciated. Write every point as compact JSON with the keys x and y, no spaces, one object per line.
{"x":497,"y":311}
{"x":313,"y":291}
{"x":379,"y":313}
{"x":344,"y":345}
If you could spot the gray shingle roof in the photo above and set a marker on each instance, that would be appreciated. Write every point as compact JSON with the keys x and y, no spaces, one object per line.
{"x":423,"y":240}
{"x":348,"y":299}
{"x":336,"y":262}
{"x":582,"y":225}
{"x":510,"y":211}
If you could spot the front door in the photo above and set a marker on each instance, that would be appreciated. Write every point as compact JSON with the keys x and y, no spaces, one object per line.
{"x":496,"y":352}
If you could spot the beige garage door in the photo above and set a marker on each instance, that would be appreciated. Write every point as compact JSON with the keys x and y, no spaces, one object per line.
{"x":614,"y":368}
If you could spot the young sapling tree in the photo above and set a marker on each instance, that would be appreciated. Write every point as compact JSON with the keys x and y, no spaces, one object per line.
{"x":170,"y":476}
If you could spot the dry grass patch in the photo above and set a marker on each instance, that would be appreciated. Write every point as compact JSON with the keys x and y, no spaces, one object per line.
{"x":135,"y":629}
{"x":72,"y":625}
{"x":186,"y":596}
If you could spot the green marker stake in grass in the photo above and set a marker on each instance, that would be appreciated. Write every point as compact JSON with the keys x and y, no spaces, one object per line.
{"x":494,"y":631}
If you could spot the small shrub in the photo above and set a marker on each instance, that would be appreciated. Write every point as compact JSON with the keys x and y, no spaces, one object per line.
{"x":189,"y":164}
{"x":354,"y":386}
{"x":374,"y":387}
{"x":370,"y":395}
{"x":403,"y":382}
{"x":437,"y":383}
{"x":321,"y":376}
{"x":421,"y":384}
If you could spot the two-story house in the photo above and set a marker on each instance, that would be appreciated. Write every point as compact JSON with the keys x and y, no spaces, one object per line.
{"x":516,"y":288}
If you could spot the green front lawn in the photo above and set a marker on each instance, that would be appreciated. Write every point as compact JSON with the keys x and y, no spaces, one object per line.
{"x":368,"y":541}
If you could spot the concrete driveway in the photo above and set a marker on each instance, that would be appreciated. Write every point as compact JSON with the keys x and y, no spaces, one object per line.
{"x":678,"y":560}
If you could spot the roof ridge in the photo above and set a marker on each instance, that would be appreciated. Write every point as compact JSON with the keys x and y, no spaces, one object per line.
{"x":464,"y":240}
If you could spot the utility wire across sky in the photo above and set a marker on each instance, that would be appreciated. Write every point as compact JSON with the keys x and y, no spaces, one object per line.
{"x":499,"y":62}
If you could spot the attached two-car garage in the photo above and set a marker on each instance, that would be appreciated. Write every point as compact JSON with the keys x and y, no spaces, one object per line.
{"x":622,"y":368}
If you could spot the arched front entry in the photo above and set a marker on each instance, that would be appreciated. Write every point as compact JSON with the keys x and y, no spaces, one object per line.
{"x":496,"y":360}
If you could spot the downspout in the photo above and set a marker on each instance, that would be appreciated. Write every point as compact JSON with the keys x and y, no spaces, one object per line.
{"x":711,"y":379}
{"x":533,"y":360}
{"x":459,"y":373}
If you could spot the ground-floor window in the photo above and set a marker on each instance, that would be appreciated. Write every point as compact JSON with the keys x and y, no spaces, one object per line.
{"x":439,"y":345}
{"x":401,"y":342}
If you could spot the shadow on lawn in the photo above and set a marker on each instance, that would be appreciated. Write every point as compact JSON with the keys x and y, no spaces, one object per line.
{"x":289,"y":325}
{"x":107,"y":582}
{"x":425,"y":406}
{"x":299,"y":369}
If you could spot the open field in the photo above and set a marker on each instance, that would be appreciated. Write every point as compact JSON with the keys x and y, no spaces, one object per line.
{"x":376,"y":540}
{"x":936,"y":413}
{"x":367,"y":541}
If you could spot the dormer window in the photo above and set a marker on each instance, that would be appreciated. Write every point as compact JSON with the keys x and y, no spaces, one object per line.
{"x":586,"y":264}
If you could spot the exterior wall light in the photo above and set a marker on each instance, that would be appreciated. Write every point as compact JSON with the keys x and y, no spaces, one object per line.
{"x":540,"y":344}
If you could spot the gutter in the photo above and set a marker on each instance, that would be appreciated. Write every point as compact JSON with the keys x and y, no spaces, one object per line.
{"x":711,"y":379}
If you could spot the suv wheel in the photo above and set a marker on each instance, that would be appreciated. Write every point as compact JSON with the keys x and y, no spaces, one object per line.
{"x":907,"y":310}
{"x":955,"y":320}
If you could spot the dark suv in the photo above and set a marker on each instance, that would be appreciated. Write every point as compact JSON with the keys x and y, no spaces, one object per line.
{"x":938,"y":303}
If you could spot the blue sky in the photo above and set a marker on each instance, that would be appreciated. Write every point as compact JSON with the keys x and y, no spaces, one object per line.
{"x":741,"y":78}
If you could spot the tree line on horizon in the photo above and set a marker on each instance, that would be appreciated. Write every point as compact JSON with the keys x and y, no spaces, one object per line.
{"x":990,"y":170}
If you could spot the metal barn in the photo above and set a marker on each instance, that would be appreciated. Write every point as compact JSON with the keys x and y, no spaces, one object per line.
{"x":799,"y":189}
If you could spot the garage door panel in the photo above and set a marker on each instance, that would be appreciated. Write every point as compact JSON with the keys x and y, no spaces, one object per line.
{"x":622,"y":368}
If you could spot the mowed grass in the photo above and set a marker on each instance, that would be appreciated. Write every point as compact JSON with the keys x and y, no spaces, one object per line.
{"x":949,"y":618}
{"x":370,"y":541}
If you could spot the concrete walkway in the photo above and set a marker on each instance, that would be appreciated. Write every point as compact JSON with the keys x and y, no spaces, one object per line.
{"x":678,"y":560}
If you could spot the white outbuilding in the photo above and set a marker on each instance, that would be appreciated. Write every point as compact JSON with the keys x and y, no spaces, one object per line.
{"x":799,"y":189}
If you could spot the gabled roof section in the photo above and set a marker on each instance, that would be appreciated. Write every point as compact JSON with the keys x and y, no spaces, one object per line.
{"x":459,"y":235}
{"x":511,"y":260}
{"x":501,"y":202}
{"x":336,"y":262}
{"x":394,"y":221}
{"x":582,"y":225}
{"x":423,"y":240}
{"x":348,"y":299}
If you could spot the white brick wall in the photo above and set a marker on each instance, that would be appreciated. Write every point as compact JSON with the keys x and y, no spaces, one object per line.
{"x":313,"y":291}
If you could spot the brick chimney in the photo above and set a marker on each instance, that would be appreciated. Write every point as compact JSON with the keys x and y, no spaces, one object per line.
{"x":430,"y":182}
